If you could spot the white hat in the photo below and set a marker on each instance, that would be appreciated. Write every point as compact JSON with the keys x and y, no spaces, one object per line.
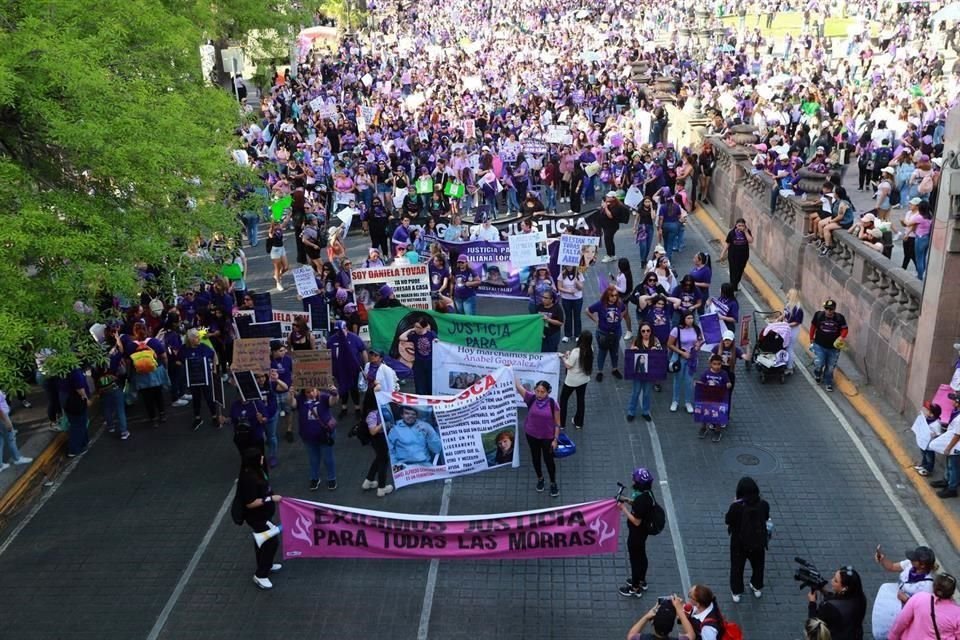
{"x":915,"y":201}
{"x":889,"y":170}
{"x":868,"y":217}
{"x":728,"y":335}
{"x":659,"y":249}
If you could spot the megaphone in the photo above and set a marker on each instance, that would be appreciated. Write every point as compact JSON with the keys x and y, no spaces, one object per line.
{"x":263,"y":536}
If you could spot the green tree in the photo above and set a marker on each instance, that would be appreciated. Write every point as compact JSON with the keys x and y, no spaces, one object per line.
{"x":107,"y":130}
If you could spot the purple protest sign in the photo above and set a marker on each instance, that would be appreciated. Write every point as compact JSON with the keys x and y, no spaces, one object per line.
{"x":649,"y":366}
{"x":711,"y":327}
{"x":711,"y":405}
{"x":315,"y":530}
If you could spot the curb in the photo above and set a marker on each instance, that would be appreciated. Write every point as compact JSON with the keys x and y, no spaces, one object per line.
{"x":44,"y":466}
{"x":882,"y":429}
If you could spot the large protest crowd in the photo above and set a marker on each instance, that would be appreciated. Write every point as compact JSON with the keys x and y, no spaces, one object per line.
{"x":421,"y":136}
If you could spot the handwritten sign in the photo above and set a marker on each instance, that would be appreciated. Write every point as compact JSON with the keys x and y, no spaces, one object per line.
{"x":251,"y":354}
{"x":312,"y":369}
{"x":306,"y":282}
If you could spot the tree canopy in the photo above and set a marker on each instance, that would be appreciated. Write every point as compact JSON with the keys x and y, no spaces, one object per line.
{"x":107,"y":130}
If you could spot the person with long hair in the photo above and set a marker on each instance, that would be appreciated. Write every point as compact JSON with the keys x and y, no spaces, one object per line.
{"x":746,"y":522}
{"x":638,"y":510}
{"x":570,"y":285}
{"x":736,"y":250}
{"x":793,"y":316}
{"x":816,"y":629}
{"x":921,"y":222}
{"x":922,"y":612}
{"x":578,"y":363}
{"x":706,"y":616}
{"x":708,"y":162}
{"x":643,"y":227}
{"x":608,"y":314}
{"x":843,"y":608}
{"x":702,"y":273}
{"x":259,"y":503}
{"x":624,"y":285}
{"x":642,"y":394}
{"x":278,"y":254}
{"x":669,"y":216}
{"x":542,"y":428}
{"x":726,"y":306}
{"x":684,"y":341}
{"x":378,"y":440}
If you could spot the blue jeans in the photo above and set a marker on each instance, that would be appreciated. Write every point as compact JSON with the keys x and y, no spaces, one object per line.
{"x":366,"y":196}
{"x":270,"y":429}
{"x":115,"y":409}
{"x":824,"y":361}
{"x":920,"y":248}
{"x":678,"y":243}
{"x":251,"y":222}
{"x":466,"y":306}
{"x":550,"y":198}
{"x":571,"y":317}
{"x":512,"y":204}
{"x":607,"y":345}
{"x":321,"y":453}
{"x":7,"y":438}
{"x":642,"y":393}
{"x":77,"y":432}
{"x":928,"y":459}
{"x":952,"y":475}
{"x":683,"y":384}
{"x":670,"y":232}
{"x":644,"y":244}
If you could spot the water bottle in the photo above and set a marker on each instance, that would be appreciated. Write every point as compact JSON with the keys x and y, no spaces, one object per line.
{"x":769,"y":529}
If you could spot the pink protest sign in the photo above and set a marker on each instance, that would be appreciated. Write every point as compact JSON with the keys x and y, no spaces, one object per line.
{"x":946,"y":404}
{"x":315,"y":530}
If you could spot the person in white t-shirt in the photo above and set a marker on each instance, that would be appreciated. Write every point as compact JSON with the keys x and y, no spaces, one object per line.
{"x":916,"y":572}
{"x":486,"y":232}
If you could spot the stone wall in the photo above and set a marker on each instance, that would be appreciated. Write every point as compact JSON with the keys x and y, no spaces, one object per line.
{"x":880,"y":301}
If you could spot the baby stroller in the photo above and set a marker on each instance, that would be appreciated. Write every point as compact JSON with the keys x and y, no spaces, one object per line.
{"x":771,"y":347}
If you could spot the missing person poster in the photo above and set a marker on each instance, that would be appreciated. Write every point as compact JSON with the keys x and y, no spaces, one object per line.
{"x":577,"y":251}
{"x":457,"y":367}
{"x":528,"y":249}
{"x":438,"y":437}
{"x":410,"y":284}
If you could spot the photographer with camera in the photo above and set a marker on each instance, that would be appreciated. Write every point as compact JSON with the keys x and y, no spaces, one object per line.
{"x":663,"y":617}
{"x":638,"y":510}
{"x":842,"y":609}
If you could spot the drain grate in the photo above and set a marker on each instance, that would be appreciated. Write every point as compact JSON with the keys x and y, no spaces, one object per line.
{"x":749,"y":458}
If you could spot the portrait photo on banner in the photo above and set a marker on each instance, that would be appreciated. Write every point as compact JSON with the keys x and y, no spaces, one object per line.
{"x":500,"y":446}
{"x":413,"y":438}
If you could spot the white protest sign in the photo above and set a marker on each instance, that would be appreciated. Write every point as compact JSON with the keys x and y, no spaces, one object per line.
{"x":410,"y":284}
{"x":367,"y":114}
{"x":456,"y":367}
{"x":474,"y":431}
{"x":572,"y":249}
{"x":306,"y":282}
{"x":634,"y":197}
{"x":558,"y":134}
{"x":327,"y":110}
{"x":469,"y":129}
{"x":316,"y":104}
{"x":472,"y":83}
{"x":367,"y":80}
{"x":529,"y":249}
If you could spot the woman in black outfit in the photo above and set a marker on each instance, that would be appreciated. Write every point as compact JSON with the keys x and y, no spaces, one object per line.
{"x":737,"y":251}
{"x":258,"y":500}
{"x":844,"y":609}
{"x":746,"y":521}
{"x":637,"y":514}
{"x":378,"y":440}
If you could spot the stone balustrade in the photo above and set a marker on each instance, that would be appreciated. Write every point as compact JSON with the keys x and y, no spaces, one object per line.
{"x":880,"y":301}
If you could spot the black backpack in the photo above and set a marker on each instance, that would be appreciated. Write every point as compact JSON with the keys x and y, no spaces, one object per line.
{"x":656,"y":520}
{"x":237,"y":508}
{"x":752,"y":532}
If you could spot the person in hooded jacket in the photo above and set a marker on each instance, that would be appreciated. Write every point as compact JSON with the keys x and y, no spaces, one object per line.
{"x":638,"y":510}
{"x":746,"y":521}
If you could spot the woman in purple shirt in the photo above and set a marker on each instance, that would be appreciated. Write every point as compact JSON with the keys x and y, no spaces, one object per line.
{"x":542,"y":428}
{"x":608,"y":314}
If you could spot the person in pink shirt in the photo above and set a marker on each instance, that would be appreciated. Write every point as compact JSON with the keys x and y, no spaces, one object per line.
{"x":927,"y":617}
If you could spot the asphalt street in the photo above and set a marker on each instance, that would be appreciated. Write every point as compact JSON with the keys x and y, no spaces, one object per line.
{"x":134,"y":541}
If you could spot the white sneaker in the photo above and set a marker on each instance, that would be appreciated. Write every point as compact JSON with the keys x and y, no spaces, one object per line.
{"x":275,"y":567}
{"x":756,"y":592}
{"x":182,"y":402}
{"x":673,"y":406}
{"x":627,"y":336}
{"x":608,"y":258}
{"x":23,"y":460}
{"x":4,"y":466}
{"x":263,"y":583}
{"x":225,"y":377}
{"x":368,"y":484}
{"x":283,"y":414}
{"x":187,"y":397}
{"x":736,"y":598}
{"x":689,"y":408}
{"x":385,"y":491}
{"x":565,"y":339}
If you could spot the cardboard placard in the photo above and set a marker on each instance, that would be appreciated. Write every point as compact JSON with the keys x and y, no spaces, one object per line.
{"x":312,"y":369}
{"x":251,"y":354}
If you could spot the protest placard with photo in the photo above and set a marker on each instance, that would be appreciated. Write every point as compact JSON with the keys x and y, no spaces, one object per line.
{"x":528,"y":249}
{"x":410,"y":283}
{"x":576,"y":251}
{"x":457,"y":367}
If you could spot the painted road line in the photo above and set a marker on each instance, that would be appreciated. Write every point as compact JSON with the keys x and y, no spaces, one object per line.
{"x":423,"y":630}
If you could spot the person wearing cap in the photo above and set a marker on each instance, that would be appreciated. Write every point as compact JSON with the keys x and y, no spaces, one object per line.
{"x":950,"y":439}
{"x":882,"y":200}
{"x":870,"y":234}
{"x":828,"y":330}
{"x":662,"y":618}
{"x":348,"y":353}
{"x":612,"y":214}
{"x":916,"y":572}
{"x":638,"y":510}
{"x":465,"y":283}
{"x":378,"y":374}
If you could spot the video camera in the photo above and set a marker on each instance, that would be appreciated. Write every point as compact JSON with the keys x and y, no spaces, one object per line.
{"x":808,"y":575}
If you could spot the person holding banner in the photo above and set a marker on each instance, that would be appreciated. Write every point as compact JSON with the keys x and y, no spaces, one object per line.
{"x":422,"y":336}
{"x":348,"y":353}
{"x":259,"y":504}
{"x":726,"y":306}
{"x":378,"y":441}
{"x":729,"y":354}
{"x":715,"y":376}
{"x":204,"y":360}
{"x":607,"y":313}
{"x":552,"y":322}
{"x":642,"y":394}
{"x":317,"y":428}
{"x":465,"y":283}
{"x":542,"y":428}
{"x":684,"y":341}
{"x":377,"y":374}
